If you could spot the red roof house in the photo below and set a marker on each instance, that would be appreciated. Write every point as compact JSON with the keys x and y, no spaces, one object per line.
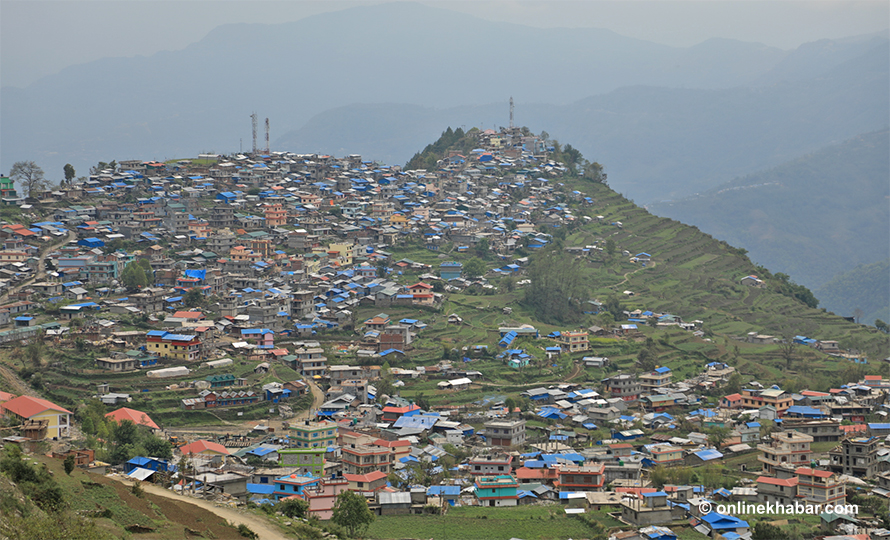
{"x":35,"y":409}
{"x":203,"y":447}
{"x":137,"y":417}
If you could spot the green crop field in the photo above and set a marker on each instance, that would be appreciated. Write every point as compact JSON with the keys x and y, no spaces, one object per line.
{"x":472,"y":523}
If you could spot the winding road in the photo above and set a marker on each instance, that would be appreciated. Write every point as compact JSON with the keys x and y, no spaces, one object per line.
{"x":264,"y":529}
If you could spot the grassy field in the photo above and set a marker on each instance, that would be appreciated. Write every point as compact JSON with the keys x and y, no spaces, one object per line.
{"x":472,"y":523}
{"x":115,"y":508}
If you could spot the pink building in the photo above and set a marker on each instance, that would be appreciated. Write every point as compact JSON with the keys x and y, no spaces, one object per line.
{"x":323,"y":496}
{"x":264,"y":338}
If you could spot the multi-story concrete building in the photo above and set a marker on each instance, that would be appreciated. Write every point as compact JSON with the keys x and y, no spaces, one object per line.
{"x":786,"y":452}
{"x":221,"y":216}
{"x":819,"y":430}
{"x":276,"y":215}
{"x":655,"y":380}
{"x":310,"y":443}
{"x":505,"y":432}
{"x":500,"y":490}
{"x":293,"y":484}
{"x":649,"y":509}
{"x":104,"y":268}
{"x":623,"y":471}
{"x":184,"y":347}
{"x":364,"y":459}
{"x":310,"y":362}
{"x":340,"y":374}
{"x":221,"y":242}
{"x":589,"y":477}
{"x":778,"y":398}
{"x":819,"y":487}
{"x":857,"y":457}
{"x":302,"y":305}
{"x":665,"y":454}
{"x":625,"y":386}
{"x":150,"y":300}
{"x":572,"y":342}
{"x":491,"y":465}
{"x":268,"y":313}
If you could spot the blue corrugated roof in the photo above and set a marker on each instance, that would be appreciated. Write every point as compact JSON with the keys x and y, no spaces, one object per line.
{"x":709,"y":454}
{"x":261,"y":451}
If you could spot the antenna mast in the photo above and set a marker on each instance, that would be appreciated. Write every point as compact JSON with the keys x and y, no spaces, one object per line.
{"x":511,"y":112}
{"x":267,"y":136}
{"x":253,"y":124}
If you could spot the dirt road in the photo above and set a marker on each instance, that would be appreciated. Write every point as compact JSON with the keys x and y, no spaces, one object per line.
{"x":264,"y":529}
{"x":317,"y":400}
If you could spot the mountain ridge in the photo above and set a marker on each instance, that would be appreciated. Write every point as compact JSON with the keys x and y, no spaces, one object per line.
{"x":128,"y":106}
{"x":661,"y":143}
{"x":815,"y":217}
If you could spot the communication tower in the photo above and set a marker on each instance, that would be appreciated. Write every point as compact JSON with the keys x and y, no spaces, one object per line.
{"x":267,"y":136}
{"x":511,"y":112}
{"x":253,"y":124}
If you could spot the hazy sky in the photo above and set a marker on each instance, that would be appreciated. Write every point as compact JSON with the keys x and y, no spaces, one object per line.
{"x":41,"y":37}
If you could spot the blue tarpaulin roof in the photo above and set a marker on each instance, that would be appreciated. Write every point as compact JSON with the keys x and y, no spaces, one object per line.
{"x":435,"y":491}
{"x":199,"y":274}
{"x":260,"y":489}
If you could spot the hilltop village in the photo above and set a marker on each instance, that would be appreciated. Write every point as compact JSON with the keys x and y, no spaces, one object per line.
{"x":295,"y":326}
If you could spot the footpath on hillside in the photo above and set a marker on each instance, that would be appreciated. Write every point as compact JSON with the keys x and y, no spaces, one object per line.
{"x":263,"y":529}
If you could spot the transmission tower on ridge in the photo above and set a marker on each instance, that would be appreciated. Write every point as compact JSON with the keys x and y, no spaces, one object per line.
{"x":253,"y":124}
{"x":511,"y":112}
{"x":267,"y":136}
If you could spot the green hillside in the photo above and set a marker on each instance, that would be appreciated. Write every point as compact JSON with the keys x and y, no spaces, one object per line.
{"x":865,"y":288}
{"x":39,"y":500}
{"x":697,"y":276}
{"x":812,"y":218}
{"x":691,"y":275}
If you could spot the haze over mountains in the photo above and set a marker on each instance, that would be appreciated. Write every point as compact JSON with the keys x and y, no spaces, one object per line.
{"x":581,"y":85}
{"x":813,"y":218}
{"x":656,"y":142}
{"x":666,"y":122}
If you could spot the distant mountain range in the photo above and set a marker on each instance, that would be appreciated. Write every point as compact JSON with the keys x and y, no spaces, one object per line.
{"x":665,"y":121}
{"x":656,"y":143}
{"x":815,"y":218}
{"x":865,"y":288}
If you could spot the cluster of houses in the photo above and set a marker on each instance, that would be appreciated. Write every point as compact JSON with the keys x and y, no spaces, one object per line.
{"x":289,"y":246}
{"x":381,"y":450}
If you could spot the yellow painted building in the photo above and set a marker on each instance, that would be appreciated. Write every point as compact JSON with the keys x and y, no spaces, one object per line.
{"x":344,"y":252}
{"x":27,"y":408}
{"x":179,"y":346}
